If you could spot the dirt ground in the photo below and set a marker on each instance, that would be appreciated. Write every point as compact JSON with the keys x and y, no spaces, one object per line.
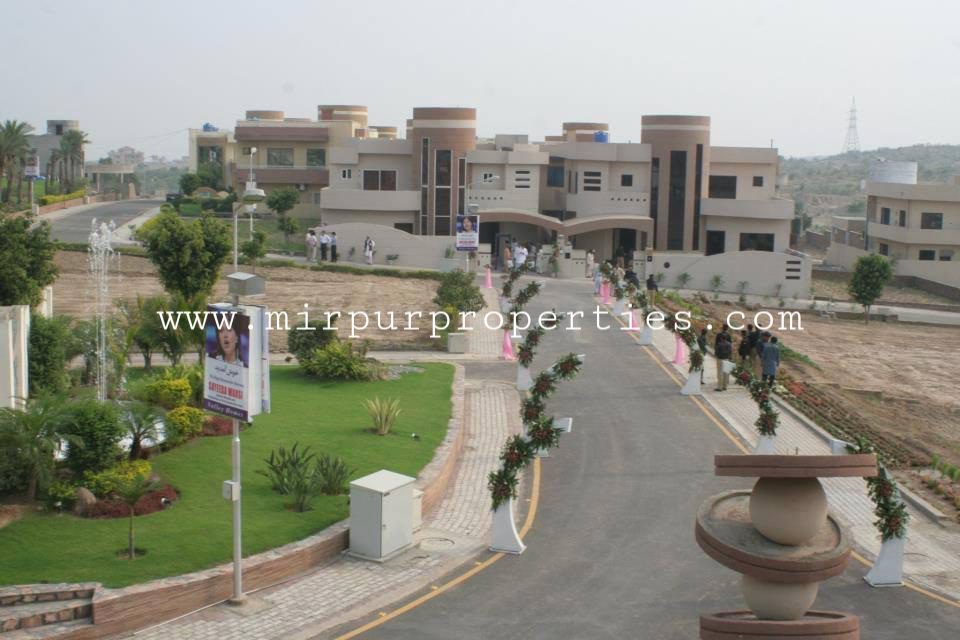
{"x":288,"y":289}
{"x":891,"y":294}
{"x":900,"y":378}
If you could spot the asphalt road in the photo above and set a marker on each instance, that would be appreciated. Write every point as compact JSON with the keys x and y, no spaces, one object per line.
{"x":75,"y":227}
{"x":612,"y":552}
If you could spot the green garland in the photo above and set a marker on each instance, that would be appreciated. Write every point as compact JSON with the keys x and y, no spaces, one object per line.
{"x":891,"y":512}
{"x":760,"y":391}
{"x":518,"y":452}
{"x":527,"y":348}
{"x":512,"y":276}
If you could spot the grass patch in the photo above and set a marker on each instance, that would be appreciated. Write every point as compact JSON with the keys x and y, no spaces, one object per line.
{"x":790,"y":354}
{"x":195,"y":533}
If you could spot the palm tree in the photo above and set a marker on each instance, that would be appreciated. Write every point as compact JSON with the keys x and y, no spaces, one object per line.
{"x":130,"y":493}
{"x":52,"y":165}
{"x":33,"y":435}
{"x":140,"y":419}
{"x":13,"y":146}
{"x":71,"y":145}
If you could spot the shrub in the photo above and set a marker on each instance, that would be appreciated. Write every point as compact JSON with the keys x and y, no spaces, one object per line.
{"x":150,"y":503}
{"x":170,"y":393}
{"x":302,"y":343}
{"x":281,"y":462}
{"x":337,"y":361}
{"x":457,"y":289}
{"x":62,"y":493}
{"x":96,"y":425}
{"x":13,"y":472}
{"x":217,"y":426}
{"x":50,"y":340}
{"x":193,"y":374}
{"x":45,"y":200}
{"x":334,"y":473}
{"x":184,"y":423}
{"x":108,"y":481}
{"x":384,"y":413}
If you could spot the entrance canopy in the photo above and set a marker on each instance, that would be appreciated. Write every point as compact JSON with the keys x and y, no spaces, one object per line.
{"x":569,"y":227}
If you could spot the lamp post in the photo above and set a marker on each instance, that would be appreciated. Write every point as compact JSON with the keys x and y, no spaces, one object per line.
{"x":251,"y":196}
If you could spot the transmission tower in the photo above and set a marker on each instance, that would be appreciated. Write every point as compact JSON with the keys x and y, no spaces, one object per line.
{"x":852,"y":143}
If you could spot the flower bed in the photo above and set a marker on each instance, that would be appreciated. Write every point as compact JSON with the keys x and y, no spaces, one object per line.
{"x":150,"y":503}
{"x":217,"y":426}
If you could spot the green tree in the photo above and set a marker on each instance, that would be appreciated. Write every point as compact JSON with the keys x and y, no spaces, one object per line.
{"x":140,"y":420}
{"x":189,"y":182}
{"x":130,"y":493}
{"x":14,"y":147}
{"x":32,"y":435}
{"x":71,"y":151}
{"x":255,"y":248}
{"x":282,"y":200}
{"x":26,"y":261}
{"x":143,"y":322}
{"x":97,"y":430}
{"x":870,"y":275}
{"x":210,"y":175}
{"x":188,"y":255}
{"x":48,"y":352}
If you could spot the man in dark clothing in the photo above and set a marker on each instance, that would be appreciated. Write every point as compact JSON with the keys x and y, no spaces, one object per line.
{"x":753,"y":358}
{"x":743,"y":350}
{"x":652,"y":289}
{"x":631,"y":277}
{"x":770,"y":359}
{"x":722,"y":350}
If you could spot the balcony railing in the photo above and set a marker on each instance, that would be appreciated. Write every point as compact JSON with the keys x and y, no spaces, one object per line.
{"x":909,"y":235}
{"x":598,"y":203}
{"x":773,"y":209}
{"x":519,"y":199}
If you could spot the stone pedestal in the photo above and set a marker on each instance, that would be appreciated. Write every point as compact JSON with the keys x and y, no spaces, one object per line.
{"x":783,"y":542}
{"x":456,"y":343}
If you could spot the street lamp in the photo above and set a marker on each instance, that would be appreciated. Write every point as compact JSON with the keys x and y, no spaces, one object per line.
{"x":251,"y":196}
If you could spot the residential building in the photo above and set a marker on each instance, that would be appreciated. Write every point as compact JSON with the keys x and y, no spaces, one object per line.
{"x":46,"y":143}
{"x":125,"y":155}
{"x":914,"y":221}
{"x":672,"y":191}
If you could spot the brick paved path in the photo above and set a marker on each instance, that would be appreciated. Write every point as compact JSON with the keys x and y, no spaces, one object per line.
{"x":348,"y":588}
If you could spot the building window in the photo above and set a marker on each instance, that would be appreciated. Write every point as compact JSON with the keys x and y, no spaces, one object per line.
{"x":425,"y":164}
{"x":316,"y":197}
{"x":931,"y":220}
{"x":946,"y":255}
{"x":442,"y":192}
{"x":903,"y":218}
{"x":423,"y":211}
{"x":928,"y":254}
{"x":346,"y":174}
{"x":404,"y":226}
{"x":486,"y":177}
{"x":677,"y":200}
{"x":443,"y":226}
{"x":521,"y":179}
{"x":592,"y":181}
{"x":379,"y":180}
{"x":756,"y":242}
{"x":316,"y":157}
{"x":883,"y":249}
{"x":59,"y":130}
{"x":654,"y":189}
{"x":885,"y":215}
{"x":246,"y":150}
{"x":279,"y":157}
{"x":555,"y":175}
{"x":758,"y":181}
{"x":697,"y":196}
{"x":723,"y":187}
{"x":443,"y":167}
{"x":626,"y":180}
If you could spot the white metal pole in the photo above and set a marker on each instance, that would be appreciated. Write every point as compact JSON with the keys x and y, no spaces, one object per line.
{"x":236,"y":263}
{"x":238,"y":596}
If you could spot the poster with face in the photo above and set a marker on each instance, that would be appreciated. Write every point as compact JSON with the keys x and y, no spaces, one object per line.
{"x":468,"y":233}
{"x":226,"y":373}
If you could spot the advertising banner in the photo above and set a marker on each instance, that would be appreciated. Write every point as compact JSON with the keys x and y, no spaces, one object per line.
{"x":468,"y":233}
{"x":236,"y":375}
{"x":31,"y":168}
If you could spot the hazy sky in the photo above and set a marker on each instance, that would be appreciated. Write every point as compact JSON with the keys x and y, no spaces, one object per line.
{"x":140,"y":74}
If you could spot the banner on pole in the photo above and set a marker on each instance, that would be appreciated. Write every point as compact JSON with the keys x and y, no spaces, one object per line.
{"x":236,"y":373}
{"x":468,"y":233}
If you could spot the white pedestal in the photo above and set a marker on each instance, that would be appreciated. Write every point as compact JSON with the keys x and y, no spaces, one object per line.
{"x":888,"y":569}
{"x":504,"y":536}
{"x":456,"y":343}
{"x":564,"y":424}
{"x":646,"y":335}
{"x":524,"y":381}
{"x":618,"y":308}
{"x":766,"y":446}
{"x":505,"y":305}
{"x":692,"y":386}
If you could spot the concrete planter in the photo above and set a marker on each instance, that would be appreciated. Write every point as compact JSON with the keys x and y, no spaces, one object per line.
{"x":618,"y":308}
{"x":505,"y":305}
{"x":524,"y":381}
{"x":563,"y":424}
{"x":646,"y":335}
{"x":692,"y":386}
{"x":504,"y":536}
{"x":766,"y":446}
{"x":887,"y":571}
{"x":456,"y":342}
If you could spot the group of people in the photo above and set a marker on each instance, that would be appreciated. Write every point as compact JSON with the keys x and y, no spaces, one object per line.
{"x":758,"y":352}
{"x":517,"y":254}
{"x":327,"y":244}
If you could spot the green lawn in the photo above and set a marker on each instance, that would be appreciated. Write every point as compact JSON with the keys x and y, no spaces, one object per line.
{"x":195,"y":532}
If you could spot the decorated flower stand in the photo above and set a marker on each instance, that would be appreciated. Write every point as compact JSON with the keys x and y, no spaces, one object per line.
{"x":680,"y":350}
{"x":504,"y":532}
{"x":887,"y":571}
{"x":507,"y":351}
{"x":505,"y":305}
{"x":619,"y":306}
{"x":646,"y":335}
{"x":692,"y":386}
{"x":634,"y":323}
{"x":524,"y":381}
{"x":783,"y":542}
{"x":488,"y":281}
{"x":605,"y":292}
{"x":766,"y":446}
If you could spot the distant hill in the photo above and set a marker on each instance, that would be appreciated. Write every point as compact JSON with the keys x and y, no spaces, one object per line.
{"x":841,"y":174}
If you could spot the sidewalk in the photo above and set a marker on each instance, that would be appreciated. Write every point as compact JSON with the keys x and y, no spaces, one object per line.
{"x":348,"y":588}
{"x":932,"y":557}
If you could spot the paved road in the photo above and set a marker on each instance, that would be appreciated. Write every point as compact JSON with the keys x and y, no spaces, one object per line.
{"x":612,"y":552}
{"x":75,"y":227}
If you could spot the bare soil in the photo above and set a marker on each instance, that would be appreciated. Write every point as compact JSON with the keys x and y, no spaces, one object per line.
{"x":9,"y":513}
{"x":823,"y":287}
{"x":288,"y":289}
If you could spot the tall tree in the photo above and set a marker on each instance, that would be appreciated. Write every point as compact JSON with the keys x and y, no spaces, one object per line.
{"x":188,"y":255}
{"x":71,"y":146}
{"x":282,"y":200}
{"x":26,"y":261}
{"x":13,"y":147}
{"x":870,"y":275}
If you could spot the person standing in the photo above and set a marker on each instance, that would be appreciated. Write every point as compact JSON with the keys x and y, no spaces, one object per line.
{"x":762,"y":343}
{"x":369,"y":247}
{"x":771,"y":360}
{"x":743,"y":350}
{"x":324,"y":245}
{"x":520,"y":256}
{"x":507,"y":258}
{"x":333,"y":247}
{"x":311,"y":242}
{"x":652,"y":289}
{"x":722,"y":350}
{"x":555,"y":262}
{"x":702,"y":345}
{"x":589,"y":273}
{"x":754,"y":335}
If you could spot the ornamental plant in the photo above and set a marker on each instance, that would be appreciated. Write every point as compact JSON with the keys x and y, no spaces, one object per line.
{"x":512,"y":276}
{"x":527,"y":348}
{"x":696,"y":361}
{"x":760,"y":391}
{"x":517,"y":453}
{"x":891,"y":512}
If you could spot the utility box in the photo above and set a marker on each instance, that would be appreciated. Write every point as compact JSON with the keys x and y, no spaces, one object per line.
{"x":381,"y":515}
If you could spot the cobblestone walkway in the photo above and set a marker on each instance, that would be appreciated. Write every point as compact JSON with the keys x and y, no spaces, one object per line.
{"x":932,"y":555}
{"x":348,"y":588}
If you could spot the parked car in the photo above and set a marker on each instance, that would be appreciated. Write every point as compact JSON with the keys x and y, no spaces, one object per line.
{"x":173,"y":197}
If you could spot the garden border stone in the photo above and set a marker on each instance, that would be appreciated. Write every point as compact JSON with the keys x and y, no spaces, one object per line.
{"x":142,"y":605}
